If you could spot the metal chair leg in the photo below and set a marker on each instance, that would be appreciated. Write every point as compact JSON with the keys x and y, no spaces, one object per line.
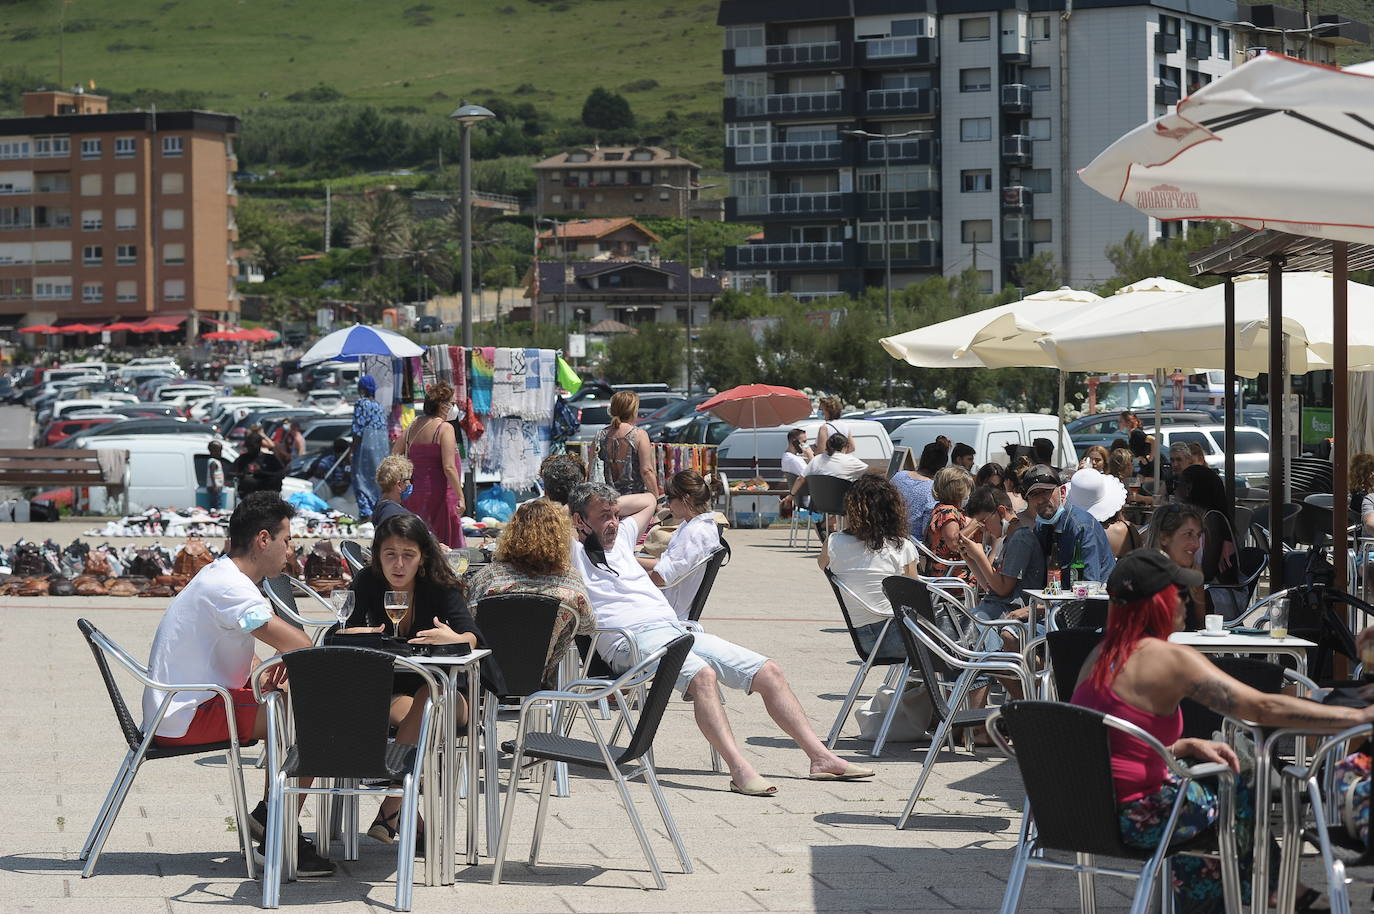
{"x":116,"y":803}
{"x":240,"y":798}
{"x":849,"y":699}
{"x":272,"y":847}
{"x":540,"y":817}
{"x":651,"y":778}
{"x":405,"y":845}
{"x":640,"y":833}
{"x":1016,"y":879}
{"x":1087,"y":885}
{"x":491,"y":768}
{"x":936,"y":744}
{"x":509,"y":816}
{"x":120,"y":775}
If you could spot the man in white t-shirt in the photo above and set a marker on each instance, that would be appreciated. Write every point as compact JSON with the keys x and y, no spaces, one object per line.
{"x":623,"y":596}
{"x":209,"y":634}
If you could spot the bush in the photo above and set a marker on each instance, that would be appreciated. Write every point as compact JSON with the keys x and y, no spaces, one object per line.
{"x":320,"y":95}
{"x":606,"y":110}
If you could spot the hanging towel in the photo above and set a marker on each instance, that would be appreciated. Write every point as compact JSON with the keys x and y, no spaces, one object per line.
{"x":508,"y":385}
{"x":482,"y":374}
{"x":457,"y":357}
{"x":541,"y":386}
{"x":518,"y":448}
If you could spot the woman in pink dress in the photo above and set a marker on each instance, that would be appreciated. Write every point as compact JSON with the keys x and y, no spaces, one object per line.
{"x":431,"y":446}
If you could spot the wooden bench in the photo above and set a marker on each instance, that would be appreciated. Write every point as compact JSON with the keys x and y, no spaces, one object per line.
{"x":53,"y":466}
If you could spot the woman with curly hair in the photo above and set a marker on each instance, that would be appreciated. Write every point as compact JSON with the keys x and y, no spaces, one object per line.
{"x":431,"y":445}
{"x":534,"y":556}
{"x":873,"y":546}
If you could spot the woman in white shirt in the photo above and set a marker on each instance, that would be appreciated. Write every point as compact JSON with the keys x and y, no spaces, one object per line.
{"x":873,"y":546}
{"x":681,"y":567}
{"x":831,"y":407}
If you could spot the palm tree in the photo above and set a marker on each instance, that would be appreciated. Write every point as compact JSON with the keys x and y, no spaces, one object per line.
{"x":379,"y":226}
{"x":425,"y":250}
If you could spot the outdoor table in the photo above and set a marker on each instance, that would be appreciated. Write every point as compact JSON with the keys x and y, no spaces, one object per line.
{"x":1234,"y":643}
{"x":451,"y":666}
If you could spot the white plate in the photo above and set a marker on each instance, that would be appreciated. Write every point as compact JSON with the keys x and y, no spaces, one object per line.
{"x":1207,"y":634}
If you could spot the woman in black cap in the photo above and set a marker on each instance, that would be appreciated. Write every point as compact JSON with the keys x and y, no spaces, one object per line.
{"x":1136,"y":674}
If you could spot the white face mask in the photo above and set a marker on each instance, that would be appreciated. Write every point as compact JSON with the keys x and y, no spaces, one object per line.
{"x":452,"y":413}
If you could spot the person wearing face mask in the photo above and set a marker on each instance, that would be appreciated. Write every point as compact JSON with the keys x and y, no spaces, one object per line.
{"x":395,"y":477}
{"x":432,"y":447}
{"x":369,"y":445}
{"x":1066,"y":528}
{"x":1019,"y":563}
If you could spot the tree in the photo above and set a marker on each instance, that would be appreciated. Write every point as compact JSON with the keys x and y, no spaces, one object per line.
{"x":1134,"y":260}
{"x":726,"y":356}
{"x":1039,"y":273}
{"x":652,"y":354}
{"x":709,"y":239}
{"x":379,"y":225}
{"x":427,"y":255}
{"x":607,"y":110}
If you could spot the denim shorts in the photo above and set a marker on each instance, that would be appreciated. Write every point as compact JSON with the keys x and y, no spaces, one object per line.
{"x":735,"y":666}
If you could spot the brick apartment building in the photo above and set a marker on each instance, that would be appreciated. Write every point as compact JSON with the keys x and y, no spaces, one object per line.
{"x":116,"y":215}
{"x":615,"y":181}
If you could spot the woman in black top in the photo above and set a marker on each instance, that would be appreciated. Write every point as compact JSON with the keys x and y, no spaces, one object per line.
{"x":406,"y":557}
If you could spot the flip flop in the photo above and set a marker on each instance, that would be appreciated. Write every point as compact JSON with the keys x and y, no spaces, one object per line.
{"x":851,"y":772}
{"x":757,"y":786}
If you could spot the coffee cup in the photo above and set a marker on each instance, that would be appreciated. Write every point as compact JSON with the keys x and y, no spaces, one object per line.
{"x":1214,"y":622}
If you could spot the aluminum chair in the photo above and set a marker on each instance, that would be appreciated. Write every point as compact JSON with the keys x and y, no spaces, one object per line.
{"x":929,"y":558}
{"x":142,"y":747}
{"x":282,"y":592}
{"x":335,"y":731}
{"x":662,"y":666}
{"x":1064,"y":755}
{"x":899,"y":667}
{"x":355,"y":554}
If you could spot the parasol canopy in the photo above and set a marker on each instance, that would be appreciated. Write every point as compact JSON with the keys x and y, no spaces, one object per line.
{"x":359,"y":340}
{"x":758,"y":406}
{"x":39,"y":328}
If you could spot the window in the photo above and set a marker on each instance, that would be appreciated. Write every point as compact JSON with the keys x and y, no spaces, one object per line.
{"x":555,"y":198}
{"x":975,"y":181}
{"x":1040,"y":28}
{"x":1199,"y":32}
{"x":90,"y":149}
{"x":975,"y":231}
{"x":1042,"y":231}
{"x":90,"y":186}
{"x":126,"y":254}
{"x":15,"y":149}
{"x":52,"y":183}
{"x":53,"y":289}
{"x":1170,"y":76}
{"x":1037,"y":128}
{"x":92,"y":255}
{"x":1037,"y":79}
{"x":1196,"y":80}
{"x":975,"y":79}
{"x":124,"y":147}
{"x":126,"y":290}
{"x":975,"y":129}
{"x":1170,"y":25}
{"x":664,"y":197}
{"x":16,"y":217}
{"x":1037,"y":180}
{"x":171,"y":146}
{"x":1251,"y":442}
{"x":1201,"y":439}
{"x":126,"y":219}
{"x":173,"y":182}
{"x":92,"y":220}
{"x":1223,"y":42}
{"x":639,"y":198}
{"x":52,"y":252}
{"x":747,"y":43}
{"x":173,"y":254}
{"x":52,"y":217}
{"x":52,"y":147}
{"x":173,"y":219}
{"x":92,"y":292}
{"x":126,"y":183}
{"x":979,"y":29}
{"x":174,"y":290}
{"x":580,"y":155}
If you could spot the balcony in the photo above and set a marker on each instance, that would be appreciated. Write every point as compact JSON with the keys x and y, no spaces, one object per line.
{"x":788,"y":206}
{"x":902,"y":101}
{"x":910,"y":151}
{"x":905,"y":254}
{"x":829,"y":153}
{"x":804,"y":297}
{"x":1198,"y":50}
{"x":1016,"y":198}
{"x":1016,"y":99}
{"x":828,"y":255}
{"x":897,"y":52}
{"x":909,"y":204}
{"x":784,"y":105}
{"x":1166,"y":43}
{"x":1016,"y":149}
{"x":1166,"y":94}
{"x":802,"y":56}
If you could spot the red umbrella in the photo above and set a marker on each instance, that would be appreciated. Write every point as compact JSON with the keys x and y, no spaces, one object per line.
{"x":157,"y":328}
{"x":122,"y":325}
{"x":81,"y":328}
{"x":256,"y":335}
{"x":217,"y":335}
{"x":39,"y":328}
{"x":758,"y":406}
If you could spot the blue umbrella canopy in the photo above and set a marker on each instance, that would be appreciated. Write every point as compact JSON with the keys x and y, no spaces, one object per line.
{"x":357,"y":340}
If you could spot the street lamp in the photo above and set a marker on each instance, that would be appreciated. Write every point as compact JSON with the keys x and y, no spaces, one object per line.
{"x":887,"y":221}
{"x":466,"y":115}
{"x":687,"y":212}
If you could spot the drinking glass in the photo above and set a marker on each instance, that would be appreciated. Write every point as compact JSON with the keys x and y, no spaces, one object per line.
{"x":342,"y":601}
{"x":396,"y":602}
{"x":1278,"y":618}
{"x":458,"y":561}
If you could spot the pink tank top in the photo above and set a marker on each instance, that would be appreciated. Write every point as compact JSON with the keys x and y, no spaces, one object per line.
{"x":1138,"y":771}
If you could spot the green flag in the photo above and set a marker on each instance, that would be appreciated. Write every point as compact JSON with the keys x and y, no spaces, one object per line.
{"x":568,"y":379}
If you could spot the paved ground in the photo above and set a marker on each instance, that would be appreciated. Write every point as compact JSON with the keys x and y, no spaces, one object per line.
{"x":814,"y":847}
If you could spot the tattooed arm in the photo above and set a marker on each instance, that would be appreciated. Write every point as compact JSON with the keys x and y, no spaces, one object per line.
{"x":1208,"y":686}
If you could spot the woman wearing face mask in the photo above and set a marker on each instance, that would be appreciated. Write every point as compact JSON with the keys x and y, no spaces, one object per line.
{"x":395,"y":477}
{"x":369,"y":445}
{"x":432,"y":447}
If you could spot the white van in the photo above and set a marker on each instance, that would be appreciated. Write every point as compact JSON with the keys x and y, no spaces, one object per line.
{"x":99,"y":368}
{"x":164,"y":470}
{"x":737,"y":452}
{"x":988,"y":434}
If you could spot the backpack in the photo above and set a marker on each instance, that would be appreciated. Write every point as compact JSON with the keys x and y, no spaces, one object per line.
{"x":565,"y":422}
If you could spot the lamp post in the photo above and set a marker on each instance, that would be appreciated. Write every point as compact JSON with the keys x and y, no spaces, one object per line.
{"x":466,"y":115}
{"x":687,"y":214}
{"x":887,"y":222}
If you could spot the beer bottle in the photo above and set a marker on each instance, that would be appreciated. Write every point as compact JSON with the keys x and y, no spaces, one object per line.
{"x":1052,"y":572}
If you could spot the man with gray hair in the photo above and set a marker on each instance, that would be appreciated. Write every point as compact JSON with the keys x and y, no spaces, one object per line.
{"x":608,"y":526}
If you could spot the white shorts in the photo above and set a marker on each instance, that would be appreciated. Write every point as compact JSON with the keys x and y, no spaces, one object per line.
{"x":735,"y":666}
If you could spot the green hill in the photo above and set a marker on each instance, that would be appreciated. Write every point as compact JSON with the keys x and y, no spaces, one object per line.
{"x":234,"y":56}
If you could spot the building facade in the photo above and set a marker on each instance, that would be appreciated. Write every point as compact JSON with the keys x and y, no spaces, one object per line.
{"x":107,"y":215}
{"x":598,"y":239}
{"x":926,"y":139}
{"x":616,"y":181}
{"x":630,"y":292}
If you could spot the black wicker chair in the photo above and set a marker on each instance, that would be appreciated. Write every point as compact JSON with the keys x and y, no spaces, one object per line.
{"x":713,"y":565}
{"x":663,"y":667}
{"x":282,"y":592}
{"x":142,"y":748}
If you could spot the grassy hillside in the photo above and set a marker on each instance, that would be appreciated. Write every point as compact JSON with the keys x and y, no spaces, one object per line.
{"x":663,"y":54}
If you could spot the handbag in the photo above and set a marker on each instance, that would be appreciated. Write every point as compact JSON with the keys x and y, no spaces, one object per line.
{"x":471,"y":425}
{"x":909,"y":723}
{"x":193,"y":556}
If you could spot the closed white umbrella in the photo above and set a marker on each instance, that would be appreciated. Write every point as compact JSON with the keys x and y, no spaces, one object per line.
{"x":359,"y":340}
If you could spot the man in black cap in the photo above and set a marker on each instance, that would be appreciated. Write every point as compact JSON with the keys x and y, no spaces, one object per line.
{"x":1064,"y":529}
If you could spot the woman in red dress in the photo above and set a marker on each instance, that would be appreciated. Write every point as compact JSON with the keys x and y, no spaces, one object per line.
{"x":431,"y":445}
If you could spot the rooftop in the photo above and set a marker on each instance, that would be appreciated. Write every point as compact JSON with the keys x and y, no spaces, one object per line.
{"x":591,"y":229}
{"x":618,"y":156}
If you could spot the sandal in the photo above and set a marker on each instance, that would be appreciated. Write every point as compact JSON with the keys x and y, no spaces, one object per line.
{"x":384,"y":827}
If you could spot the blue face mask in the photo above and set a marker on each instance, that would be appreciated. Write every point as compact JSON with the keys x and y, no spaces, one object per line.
{"x":1064,"y":506}
{"x":405,"y":493}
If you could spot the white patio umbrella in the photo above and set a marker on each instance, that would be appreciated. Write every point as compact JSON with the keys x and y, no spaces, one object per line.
{"x":359,"y":340}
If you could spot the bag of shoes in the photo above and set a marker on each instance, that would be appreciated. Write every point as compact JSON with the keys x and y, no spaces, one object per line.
{"x":97,"y":563}
{"x":122,"y":587}
{"x":29,"y":561}
{"x":325,"y":569}
{"x":88,"y":585}
{"x":157,"y":590}
{"x":58,"y":586}
{"x":34,"y":587}
{"x":194,"y":556}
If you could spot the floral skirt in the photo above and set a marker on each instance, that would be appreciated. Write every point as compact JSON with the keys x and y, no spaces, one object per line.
{"x":1197,"y":880}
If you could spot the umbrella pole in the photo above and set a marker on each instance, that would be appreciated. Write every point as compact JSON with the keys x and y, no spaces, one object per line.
{"x":1159,"y":428}
{"x":1340,"y":364}
{"x":1060,"y":412}
{"x":1276,"y":430}
{"x":1229,"y":439}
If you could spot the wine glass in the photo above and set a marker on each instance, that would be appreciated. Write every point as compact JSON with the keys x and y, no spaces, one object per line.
{"x":458,"y":561}
{"x":396,"y":602}
{"x":342,"y":602}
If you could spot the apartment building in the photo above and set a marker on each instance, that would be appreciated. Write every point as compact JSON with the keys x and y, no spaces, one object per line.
{"x":116,"y":215}
{"x":868,"y":136}
{"x":616,"y":181}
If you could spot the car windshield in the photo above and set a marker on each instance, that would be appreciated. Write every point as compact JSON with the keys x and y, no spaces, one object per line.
{"x":596,"y":415}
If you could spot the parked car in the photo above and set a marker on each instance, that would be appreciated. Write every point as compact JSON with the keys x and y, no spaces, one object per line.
{"x":594,"y":415}
{"x":702,"y":428}
{"x":333,"y":402}
{"x":147,"y":411}
{"x":427,"y":323}
{"x":1252,"y":448}
{"x":1103,"y":428}
{"x":601,"y":390}
{"x":9,"y":393}
{"x":662,"y":421}
{"x":138,"y":427}
{"x":65,"y":428}
{"x":320,"y":431}
{"x":165,"y":471}
{"x":988,"y":434}
{"x":235,"y":376}
{"x":241,"y":425}
{"x":894,"y":417}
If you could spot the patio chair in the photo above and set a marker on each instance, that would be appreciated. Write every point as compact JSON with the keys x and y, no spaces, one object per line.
{"x":827,"y":497}
{"x":662,"y":666}
{"x":1259,"y":525}
{"x":1064,"y":757}
{"x":142,"y":748}
{"x":282,"y":591}
{"x":355,"y":554}
{"x":1232,"y":600}
{"x":947,"y":668}
{"x":899,"y":667}
{"x":334,"y":729}
{"x":1068,"y":648}
{"x":928,"y":559}
{"x":713,"y":565}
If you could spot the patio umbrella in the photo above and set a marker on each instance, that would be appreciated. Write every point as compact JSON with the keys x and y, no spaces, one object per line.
{"x":121,"y":325}
{"x":80,"y":328}
{"x":758,"y":406}
{"x":39,"y":328}
{"x":218,"y":335}
{"x":359,"y":340}
{"x":258,"y":335}
{"x":154,"y":327}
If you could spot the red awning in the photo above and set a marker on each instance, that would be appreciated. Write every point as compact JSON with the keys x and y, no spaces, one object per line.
{"x":153,"y":327}
{"x":81,"y":328}
{"x":38,"y":328}
{"x":121,"y":325}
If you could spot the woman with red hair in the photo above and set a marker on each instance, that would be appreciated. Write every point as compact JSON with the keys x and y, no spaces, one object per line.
{"x":1137,"y":675}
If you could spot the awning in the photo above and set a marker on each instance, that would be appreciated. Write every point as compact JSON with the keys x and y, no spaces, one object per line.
{"x":38,"y":328}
